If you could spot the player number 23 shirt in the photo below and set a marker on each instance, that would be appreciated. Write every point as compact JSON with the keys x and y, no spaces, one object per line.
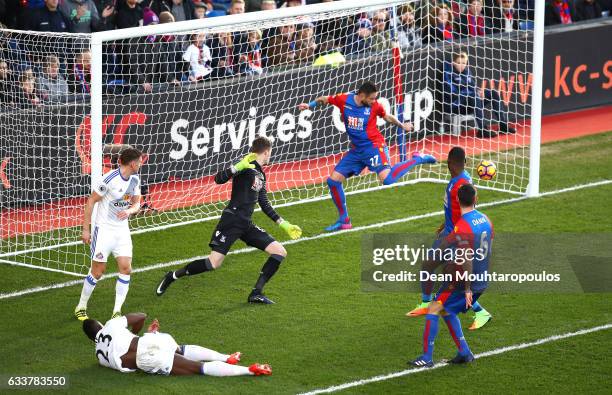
{"x":116,"y":193}
{"x":112,"y":342}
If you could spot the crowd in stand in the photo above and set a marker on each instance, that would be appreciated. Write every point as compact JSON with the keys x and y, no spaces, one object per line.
{"x":144,"y":64}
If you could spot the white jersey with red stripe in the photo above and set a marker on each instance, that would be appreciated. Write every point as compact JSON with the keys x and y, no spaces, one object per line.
{"x":116,"y":192}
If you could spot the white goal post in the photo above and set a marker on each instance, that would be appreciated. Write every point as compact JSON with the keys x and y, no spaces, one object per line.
{"x":193,"y":95}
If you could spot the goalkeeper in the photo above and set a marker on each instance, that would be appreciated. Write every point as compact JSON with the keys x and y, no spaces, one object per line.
{"x":248,"y":187}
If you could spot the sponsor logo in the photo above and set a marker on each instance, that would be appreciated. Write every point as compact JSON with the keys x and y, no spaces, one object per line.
{"x":355,"y":122}
{"x":99,"y":255}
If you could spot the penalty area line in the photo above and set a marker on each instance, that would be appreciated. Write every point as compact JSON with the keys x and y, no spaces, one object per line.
{"x":485,"y":354}
{"x":162,"y":265}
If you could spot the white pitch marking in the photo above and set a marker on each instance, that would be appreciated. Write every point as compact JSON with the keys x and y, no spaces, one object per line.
{"x":303,"y":239}
{"x":485,"y":354}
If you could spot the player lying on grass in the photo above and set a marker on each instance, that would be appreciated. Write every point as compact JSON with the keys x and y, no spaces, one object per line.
{"x":452,"y":212}
{"x":117,"y":196}
{"x":473,"y":231}
{"x":157,"y":353}
{"x":248,"y":188}
{"x":360,"y":111}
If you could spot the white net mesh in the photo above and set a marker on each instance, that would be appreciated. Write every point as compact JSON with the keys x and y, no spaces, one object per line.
{"x":194,"y":100}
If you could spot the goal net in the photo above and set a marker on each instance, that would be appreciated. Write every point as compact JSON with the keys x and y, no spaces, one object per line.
{"x":193,"y":95}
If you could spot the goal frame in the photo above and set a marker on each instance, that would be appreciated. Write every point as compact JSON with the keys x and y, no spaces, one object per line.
{"x":98,"y":39}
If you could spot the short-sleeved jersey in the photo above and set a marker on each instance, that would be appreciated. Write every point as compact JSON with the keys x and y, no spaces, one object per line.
{"x":116,"y":193}
{"x":360,"y":121}
{"x":452,"y":211}
{"x":112,"y":342}
{"x":474,"y":230}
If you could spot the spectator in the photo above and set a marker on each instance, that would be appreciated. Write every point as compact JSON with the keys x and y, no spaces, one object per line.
{"x":281,"y":49}
{"x":199,"y":10}
{"x":331,"y":34}
{"x":7,"y":84}
{"x":129,"y":14}
{"x":172,"y":68}
{"x":440,"y":25}
{"x":526,"y":9}
{"x":461,"y":96}
{"x":360,"y":39}
{"x":472,"y":23}
{"x":240,"y":40}
{"x":49,"y":19}
{"x":588,"y":9}
{"x":559,"y":12}
{"x":305,"y":44}
{"x":222,"y":51}
{"x":381,"y":38}
{"x":26,"y":92}
{"x":182,"y":10}
{"x":84,"y":17}
{"x":408,"y":35}
{"x":199,"y":57}
{"x":236,"y":7}
{"x":21,"y":12}
{"x":251,"y":62}
{"x":503,"y":17}
{"x":265,"y":5}
{"x":52,"y":86}
{"x":79,"y":77}
{"x":147,"y":68}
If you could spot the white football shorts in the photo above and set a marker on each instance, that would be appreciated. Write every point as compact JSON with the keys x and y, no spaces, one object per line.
{"x":107,"y":240}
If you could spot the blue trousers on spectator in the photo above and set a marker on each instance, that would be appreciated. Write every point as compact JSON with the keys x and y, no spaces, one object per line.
{"x":473,"y":104}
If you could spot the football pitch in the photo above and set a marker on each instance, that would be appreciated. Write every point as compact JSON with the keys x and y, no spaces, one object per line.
{"x":324,"y":331}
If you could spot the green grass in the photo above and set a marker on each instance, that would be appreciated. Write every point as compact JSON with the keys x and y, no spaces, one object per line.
{"x":323,"y":330}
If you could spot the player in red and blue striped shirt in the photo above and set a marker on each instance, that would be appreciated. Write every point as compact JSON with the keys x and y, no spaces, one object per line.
{"x":473,"y":231}
{"x":360,"y":111}
{"x":452,"y":214}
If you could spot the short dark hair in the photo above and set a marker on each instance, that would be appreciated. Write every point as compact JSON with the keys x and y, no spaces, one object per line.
{"x":91,"y":328}
{"x":367,"y":87}
{"x":260,"y":145}
{"x":460,"y":54}
{"x":466,"y":195}
{"x":128,"y":155}
{"x":456,"y":156}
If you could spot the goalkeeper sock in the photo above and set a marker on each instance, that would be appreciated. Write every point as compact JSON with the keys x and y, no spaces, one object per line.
{"x":454,"y":327}
{"x":222,"y":369}
{"x":337,"y":195}
{"x":429,"y":335}
{"x":399,"y":170}
{"x":121,"y":290}
{"x":198,"y":353}
{"x":195,"y":267}
{"x":267,"y":271}
{"x":89,"y":284}
{"x":476,"y":307}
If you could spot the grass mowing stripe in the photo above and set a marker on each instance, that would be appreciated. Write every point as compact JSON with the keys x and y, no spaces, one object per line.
{"x":319,"y":236}
{"x":496,"y":351}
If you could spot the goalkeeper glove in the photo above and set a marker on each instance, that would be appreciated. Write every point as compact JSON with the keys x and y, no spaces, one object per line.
{"x":245,"y":163}
{"x":293,"y":231}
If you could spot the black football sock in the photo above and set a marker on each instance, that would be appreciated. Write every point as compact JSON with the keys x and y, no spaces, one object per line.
{"x":267,"y":271}
{"x":195,"y":267}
